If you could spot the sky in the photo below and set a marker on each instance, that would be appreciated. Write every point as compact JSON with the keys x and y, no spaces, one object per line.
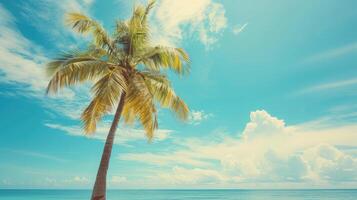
{"x":272,"y":93}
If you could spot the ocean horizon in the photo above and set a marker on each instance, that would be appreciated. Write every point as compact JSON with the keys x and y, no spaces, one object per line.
{"x":182,"y":194}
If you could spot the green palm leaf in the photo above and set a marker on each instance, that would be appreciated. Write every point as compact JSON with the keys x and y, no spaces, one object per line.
{"x":160,"y":57}
{"x":106,"y":92}
{"x":71,"y":70}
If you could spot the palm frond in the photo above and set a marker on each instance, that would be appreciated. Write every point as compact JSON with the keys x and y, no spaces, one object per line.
{"x":138,"y":29}
{"x":139,"y":104}
{"x":162,"y":91}
{"x":122,"y":36}
{"x":69,"y":70}
{"x":95,"y":51}
{"x":83,"y":24}
{"x":106,"y":94}
{"x":160,"y":57}
{"x":149,"y":7}
{"x":133,"y":35}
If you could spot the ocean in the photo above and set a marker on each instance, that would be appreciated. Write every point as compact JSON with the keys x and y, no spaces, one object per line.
{"x":182,"y":194}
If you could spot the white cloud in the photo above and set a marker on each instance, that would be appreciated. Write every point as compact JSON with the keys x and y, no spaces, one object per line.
{"x":262,"y":124}
{"x":173,"y":19}
{"x":333,"y":53}
{"x":69,"y":102}
{"x":77,"y":180}
{"x":196,"y":117}
{"x":238,"y":29}
{"x":180,"y":175}
{"x":329,"y":163}
{"x":125,"y":134}
{"x":20,"y":59}
{"x":46,"y":181}
{"x":180,"y":157}
{"x":330,"y":86}
{"x":115,"y":180}
{"x":48,"y":17}
{"x":268,"y":151}
{"x":22,"y":64}
{"x":39,"y":155}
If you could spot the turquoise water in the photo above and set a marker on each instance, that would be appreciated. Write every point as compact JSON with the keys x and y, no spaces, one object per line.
{"x":182,"y":194}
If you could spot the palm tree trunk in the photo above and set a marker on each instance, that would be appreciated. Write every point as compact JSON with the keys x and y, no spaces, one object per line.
{"x":99,"y":189}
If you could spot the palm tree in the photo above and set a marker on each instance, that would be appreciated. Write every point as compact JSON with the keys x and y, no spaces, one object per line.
{"x":128,"y":73}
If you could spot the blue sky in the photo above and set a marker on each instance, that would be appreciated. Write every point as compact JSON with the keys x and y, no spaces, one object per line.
{"x":272,"y":93}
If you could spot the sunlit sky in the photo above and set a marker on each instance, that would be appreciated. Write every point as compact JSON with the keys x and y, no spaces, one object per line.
{"x":272,"y":93}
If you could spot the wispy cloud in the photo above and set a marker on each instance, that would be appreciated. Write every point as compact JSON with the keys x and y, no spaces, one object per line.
{"x":125,"y":134}
{"x":48,"y":18}
{"x":117,"y":180}
{"x":20,"y":59}
{"x":330,"y":86}
{"x":333,"y":53}
{"x":22,"y":64}
{"x":177,"y":158}
{"x":238,"y":29}
{"x":195,"y":176}
{"x":38,"y":155}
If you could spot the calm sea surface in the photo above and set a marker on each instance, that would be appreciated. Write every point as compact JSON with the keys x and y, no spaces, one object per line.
{"x":182,"y":194}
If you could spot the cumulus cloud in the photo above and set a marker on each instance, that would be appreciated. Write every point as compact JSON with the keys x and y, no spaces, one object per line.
{"x":173,"y":19}
{"x":262,"y":124}
{"x":267,"y":151}
{"x":330,"y":163}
